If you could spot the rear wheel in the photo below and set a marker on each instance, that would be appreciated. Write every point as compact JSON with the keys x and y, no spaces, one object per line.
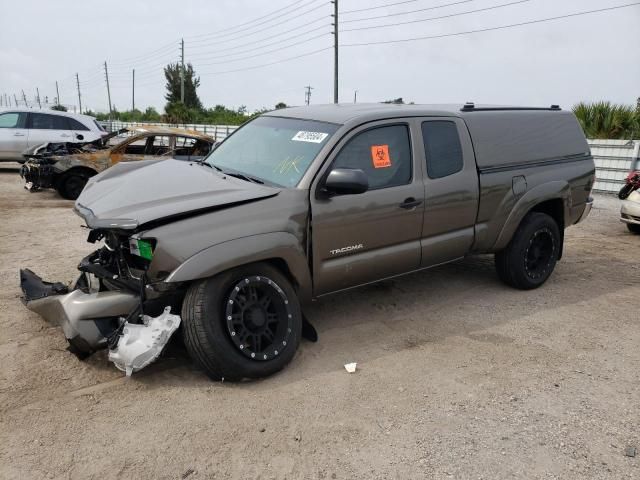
{"x":71,"y":184}
{"x":529,"y":259}
{"x":633,"y":228}
{"x":244,"y":323}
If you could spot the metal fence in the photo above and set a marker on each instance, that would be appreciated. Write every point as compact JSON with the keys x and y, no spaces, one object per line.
{"x":614,"y":159}
{"x":218,"y":132}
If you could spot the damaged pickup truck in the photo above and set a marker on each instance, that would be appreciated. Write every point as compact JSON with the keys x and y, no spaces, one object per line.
{"x":304,"y":202}
{"x":66,"y":167}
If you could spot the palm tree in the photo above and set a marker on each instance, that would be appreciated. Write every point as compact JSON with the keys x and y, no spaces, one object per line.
{"x":608,"y":120}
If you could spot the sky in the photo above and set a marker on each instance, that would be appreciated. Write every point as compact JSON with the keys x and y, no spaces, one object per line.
{"x":229,"y":42}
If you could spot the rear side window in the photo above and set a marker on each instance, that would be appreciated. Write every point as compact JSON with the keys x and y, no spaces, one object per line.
{"x":11,"y":120}
{"x":383,"y":153}
{"x":42,"y":121}
{"x":442,"y":148}
{"x":100,"y":127}
{"x":76,"y":125}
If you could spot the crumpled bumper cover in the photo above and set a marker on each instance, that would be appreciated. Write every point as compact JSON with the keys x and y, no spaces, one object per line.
{"x":87,"y":319}
{"x":92,"y":320}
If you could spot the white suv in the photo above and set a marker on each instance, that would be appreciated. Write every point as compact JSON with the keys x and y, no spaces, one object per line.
{"x":22,"y":129}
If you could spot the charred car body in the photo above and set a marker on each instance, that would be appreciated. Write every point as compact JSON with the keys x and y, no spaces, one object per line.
{"x":66,"y":167}
{"x":305,"y":202}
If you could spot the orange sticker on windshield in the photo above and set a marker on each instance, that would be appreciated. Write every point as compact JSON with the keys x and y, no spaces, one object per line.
{"x":380,"y":156}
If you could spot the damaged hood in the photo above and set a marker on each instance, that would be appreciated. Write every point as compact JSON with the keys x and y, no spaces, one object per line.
{"x":131,"y":194}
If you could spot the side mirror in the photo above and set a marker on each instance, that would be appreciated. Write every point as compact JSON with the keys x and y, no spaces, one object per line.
{"x":346,"y":181}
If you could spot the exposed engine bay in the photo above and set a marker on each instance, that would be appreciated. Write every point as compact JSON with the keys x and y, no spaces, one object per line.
{"x":111,"y":305}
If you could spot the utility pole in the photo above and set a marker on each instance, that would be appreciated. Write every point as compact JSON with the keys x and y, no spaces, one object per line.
{"x":38,"y":97}
{"x":307,"y":94}
{"x":79,"y":98}
{"x":57,"y":94}
{"x":335,"y":50}
{"x":355,"y":96}
{"x":182,"y":70}
{"x":24,"y":98}
{"x":1,"y":98}
{"x":106,"y":75}
{"x":133,"y":91}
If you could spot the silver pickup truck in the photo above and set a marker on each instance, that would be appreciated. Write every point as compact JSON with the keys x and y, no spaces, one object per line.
{"x":304,"y":202}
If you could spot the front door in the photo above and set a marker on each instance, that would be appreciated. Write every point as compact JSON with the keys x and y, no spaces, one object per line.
{"x":13,"y":135}
{"x":366,"y":237}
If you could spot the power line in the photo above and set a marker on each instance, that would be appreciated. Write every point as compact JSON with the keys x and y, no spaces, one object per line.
{"x":260,"y":41}
{"x":238,"y":59}
{"x":501,"y":27}
{"x":225,"y":31}
{"x":248,"y":34}
{"x":377,"y":7}
{"x":436,"y":7}
{"x":151,"y":53}
{"x":268,"y":64}
{"x":385,"y":25}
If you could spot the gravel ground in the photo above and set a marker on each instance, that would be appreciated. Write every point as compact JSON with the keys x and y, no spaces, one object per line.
{"x":458,"y":376}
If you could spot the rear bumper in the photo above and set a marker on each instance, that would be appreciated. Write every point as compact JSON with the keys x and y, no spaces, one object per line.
{"x":587,"y":210}
{"x":87,"y":319}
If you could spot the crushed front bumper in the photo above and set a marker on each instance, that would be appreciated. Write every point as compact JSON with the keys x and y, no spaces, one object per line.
{"x":88,"y":319}
{"x":38,"y":174}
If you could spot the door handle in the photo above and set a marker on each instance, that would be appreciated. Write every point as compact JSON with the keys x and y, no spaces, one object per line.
{"x":65,"y":135}
{"x":410,"y":203}
{"x":18,"y":134}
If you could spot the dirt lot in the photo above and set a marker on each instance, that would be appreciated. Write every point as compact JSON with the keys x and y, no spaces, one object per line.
{"x":458,"y":376}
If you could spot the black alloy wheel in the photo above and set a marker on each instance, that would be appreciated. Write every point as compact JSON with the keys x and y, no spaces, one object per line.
{"x":259,"y":319}
{"x":539,"y":255}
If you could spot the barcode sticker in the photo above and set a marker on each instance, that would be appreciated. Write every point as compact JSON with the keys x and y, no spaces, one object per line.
{"x":312,"y":137}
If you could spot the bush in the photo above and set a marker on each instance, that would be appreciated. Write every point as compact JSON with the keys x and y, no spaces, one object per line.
{"x":608,"y":120}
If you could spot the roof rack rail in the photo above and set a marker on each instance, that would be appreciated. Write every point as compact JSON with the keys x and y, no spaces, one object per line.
{"x":470,"y":107}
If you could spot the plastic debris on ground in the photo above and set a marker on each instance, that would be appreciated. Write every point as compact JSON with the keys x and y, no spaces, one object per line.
{"x":350,"y":367}
{"x":141,"y":344}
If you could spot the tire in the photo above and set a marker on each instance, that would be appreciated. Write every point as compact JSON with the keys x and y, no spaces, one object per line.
{"x":532,"y":254}
{"x":634,"y":228}
{"x":626,"y":190}
{"x":227,"y":328}
{"x":71,"y":184}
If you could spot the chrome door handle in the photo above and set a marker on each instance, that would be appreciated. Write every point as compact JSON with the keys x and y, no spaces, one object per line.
{"x":410,"y":203}
{"x":18,"y":134}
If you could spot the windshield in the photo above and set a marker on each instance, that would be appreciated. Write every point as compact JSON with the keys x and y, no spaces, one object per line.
{"x":272,"y":149}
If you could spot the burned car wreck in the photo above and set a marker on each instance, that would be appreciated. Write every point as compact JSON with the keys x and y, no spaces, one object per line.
{"x":66,"y":167}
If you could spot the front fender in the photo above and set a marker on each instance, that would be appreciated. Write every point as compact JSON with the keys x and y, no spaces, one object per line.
{"x":541,"y":193}
{"x":255,"y":248}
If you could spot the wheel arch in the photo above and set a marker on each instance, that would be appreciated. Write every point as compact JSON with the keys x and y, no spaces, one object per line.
{"x":281,"y":250}
{"x":552,"y":198}
{"x":76,"y":169}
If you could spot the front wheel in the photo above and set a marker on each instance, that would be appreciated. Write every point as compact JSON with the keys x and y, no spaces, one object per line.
{"x":244,"y":323}
{"x":71,"y":184}
{"x":529,"y":259}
